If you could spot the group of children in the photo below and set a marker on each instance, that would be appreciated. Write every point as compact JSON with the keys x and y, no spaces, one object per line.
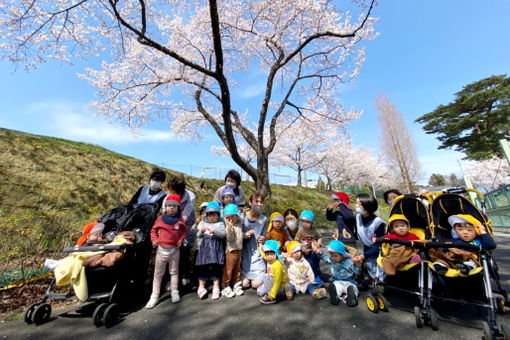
{"x":230,"y":244}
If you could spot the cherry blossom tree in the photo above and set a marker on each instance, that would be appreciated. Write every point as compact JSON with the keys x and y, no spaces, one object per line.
{"x":304,"y":143}
{"x":181,"y":59}
{"x":489,"y":174}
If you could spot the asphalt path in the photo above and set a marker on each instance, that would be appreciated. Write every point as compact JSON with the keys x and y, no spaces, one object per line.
{"x":244,"y":317}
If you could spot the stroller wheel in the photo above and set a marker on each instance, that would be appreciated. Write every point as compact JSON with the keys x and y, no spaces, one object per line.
{"x":372,"y":304}
{"x":41,"y":313}
{"x":27,"y":316}
{"x":417,"y":316}
{"x":98,"y":316}
{"x":433,"y":320}
{"x":505,"y":332}
{"x":500,"y":304}
{"x":487,"y":332}
{"x":110,"y":315}
{"x":382,"y":303}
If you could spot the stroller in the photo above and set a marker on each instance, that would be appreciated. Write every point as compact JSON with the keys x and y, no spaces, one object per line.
{"x":410,"y":277}
{"x":107,"y":284}
{"x":448,"y":203}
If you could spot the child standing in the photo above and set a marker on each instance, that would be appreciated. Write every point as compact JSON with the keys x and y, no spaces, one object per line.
{"x":308,"y":232}
{"x":314,"y":260}
{"x":167,"y":235}
{"x":277,"y":232}
{"x":343,"y":271}
{"x":300,"y":273}
{"x":340,"y":212}
{"x":232,"y":268}
{"x":275,"y":280}
{"x":211,"y":253}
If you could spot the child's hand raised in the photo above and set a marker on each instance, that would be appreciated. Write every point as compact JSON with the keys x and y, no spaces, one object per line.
{"x":285,"y":255}
{"x":316,"y":247}
{"x":261,"y":239}
{"x":335,"y":235}
{"x":482,"y":229}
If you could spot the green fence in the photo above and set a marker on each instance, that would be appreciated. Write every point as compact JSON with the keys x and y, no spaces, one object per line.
{"x":498,"y":207}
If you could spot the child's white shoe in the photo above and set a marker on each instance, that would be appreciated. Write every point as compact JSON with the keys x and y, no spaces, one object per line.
{"x":319,"y":293}
{"x":153,"y":301}
{"x":228,"y":292}
{"x":238,"y":289}
{"x":175,"y":296}
{"x":215,"y":293}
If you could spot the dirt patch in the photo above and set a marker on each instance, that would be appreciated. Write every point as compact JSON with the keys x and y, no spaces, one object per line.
{"x":14,"y":301}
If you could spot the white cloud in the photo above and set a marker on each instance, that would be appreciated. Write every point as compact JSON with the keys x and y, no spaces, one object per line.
{"x":72,"y":121}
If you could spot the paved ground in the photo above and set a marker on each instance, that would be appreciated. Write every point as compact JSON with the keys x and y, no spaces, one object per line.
{"x":244,"y":317}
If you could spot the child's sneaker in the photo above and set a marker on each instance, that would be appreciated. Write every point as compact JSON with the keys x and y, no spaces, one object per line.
{"x":228,"y":292}
{"x":288,"y":292}
{"x":175,"y":296}
{"x":215,"y":293}
{"x":319,"y":293}
{"x":333,"y":295}
{"x":201,"y":292}
{"x":470,"y":265}
{"x":352,"y":299}
{"x":440,"y":268}
{"x":238,"y":289}
{"x":153,"y":301}
{"x":266,"y":301}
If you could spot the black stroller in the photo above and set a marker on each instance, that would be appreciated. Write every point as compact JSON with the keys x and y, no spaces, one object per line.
{"x":409,"y":278}
{"x":107,"y":284}
{"x":453,"y":281}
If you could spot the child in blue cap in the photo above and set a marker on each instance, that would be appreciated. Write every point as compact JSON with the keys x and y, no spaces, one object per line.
{"x":307,"y":232}
{"x":275,"y":280}
{"x":343,"y":272}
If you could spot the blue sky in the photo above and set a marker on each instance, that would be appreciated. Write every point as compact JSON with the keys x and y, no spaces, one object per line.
{"x":426,"y":52}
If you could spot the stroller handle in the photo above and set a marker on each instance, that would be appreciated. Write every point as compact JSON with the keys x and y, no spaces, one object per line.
{"x":106,"y":247}
{"x":458,"y":245}
{"x":408,"y":243}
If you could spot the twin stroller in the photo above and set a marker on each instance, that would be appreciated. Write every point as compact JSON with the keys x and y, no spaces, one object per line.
{"x":429,"y":221}
{"x":107,"y":285}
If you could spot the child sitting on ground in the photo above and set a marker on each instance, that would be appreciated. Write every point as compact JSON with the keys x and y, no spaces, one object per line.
{"x":308,"y":231}
{"x":274,"y":283}
{"x":277,"y":232}
{"x":232,"y":268}
{"x":343,"y":272}
{"x":211,"y":253}
{"x":399,"y":254}
{"x":167,"y":235}
{"x":300,"y":274}
{"x":466,"y":229}
{"x":314,"y":260}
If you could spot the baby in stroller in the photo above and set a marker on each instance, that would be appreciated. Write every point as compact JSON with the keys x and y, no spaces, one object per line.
{"x":468,"y":230}
{"x":398,"y":255}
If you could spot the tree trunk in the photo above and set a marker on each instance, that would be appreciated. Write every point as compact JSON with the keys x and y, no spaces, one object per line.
{"x":299,"y":170}
{"x":261,"y":179}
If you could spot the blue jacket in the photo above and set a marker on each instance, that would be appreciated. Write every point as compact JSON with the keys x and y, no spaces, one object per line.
{"x":342,"y":271}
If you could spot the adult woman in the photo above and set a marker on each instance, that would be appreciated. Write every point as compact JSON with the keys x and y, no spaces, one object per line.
{"x":232,"y":180}
{"x":369,"y":227}
{"x":177,"y":186}
{"x":290,"y":217}
{"x":390,"y":195}
{"x":151,"y":193}
{"x":253,"y":266}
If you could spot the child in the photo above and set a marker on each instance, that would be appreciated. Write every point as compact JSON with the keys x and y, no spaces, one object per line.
{"x":275,"y":280}
{"x":211,"y":253}
{"x":300,"y":273}
{"x":277,"y":233}
{"x":167,"y":235}
{"x":340,"y":212}
{"x":343,"y":271}
{"x":91,"y":231}
{"x":232,"y":268}
{"x":227,"y":197}
{"x":308,"y":231}
{"x":398,"y":254}
{"x":314,"y":260}
{"x":466,"y":229}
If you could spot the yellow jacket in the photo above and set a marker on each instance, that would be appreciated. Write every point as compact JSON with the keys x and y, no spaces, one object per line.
{"x":277,"y":271}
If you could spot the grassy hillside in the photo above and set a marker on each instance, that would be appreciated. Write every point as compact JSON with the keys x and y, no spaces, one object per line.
{"x":50,"y":188}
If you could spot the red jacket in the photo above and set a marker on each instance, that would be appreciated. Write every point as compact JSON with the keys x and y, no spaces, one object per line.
{"x":408,"y":236}
{"x":168,"y":234}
